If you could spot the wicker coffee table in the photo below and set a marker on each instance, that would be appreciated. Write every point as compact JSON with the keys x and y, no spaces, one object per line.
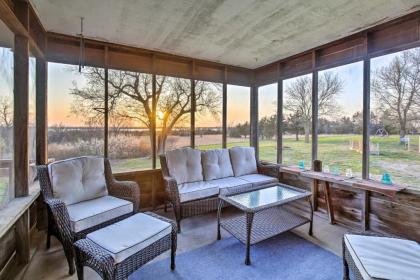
{"x":264,"y":214}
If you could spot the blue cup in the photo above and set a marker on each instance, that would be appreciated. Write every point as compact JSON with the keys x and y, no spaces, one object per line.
{"x":336,"y":170}
{"x":301,"y":164}
{"x":386,"y":179}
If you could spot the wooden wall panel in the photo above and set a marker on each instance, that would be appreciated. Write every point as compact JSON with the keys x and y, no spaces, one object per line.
{"x":399,"y":215}
{"x":65,"y":49}
{"x":166,"y":65}
{"x":7,"y":247}
{"x":350,"y":50}
{"x":394,"y":36}
{"x":239,"y":76}
{"x":268,"y":73}
{"x":129,"y":61}
{"x":152,"y":191}
{"x":206,"y":73}
{"x":302,"y":64}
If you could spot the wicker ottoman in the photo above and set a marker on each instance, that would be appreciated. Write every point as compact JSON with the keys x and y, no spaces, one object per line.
{"x":118,"y":250}
{"x":380,"y":257}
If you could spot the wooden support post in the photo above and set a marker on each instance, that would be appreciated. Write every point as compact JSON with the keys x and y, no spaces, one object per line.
{"x":20,"y":115}
{"x":224,"y":110}
{"x":22,"y":238}
{"x":154,"y":106}
{"x":193,"y":101}
{"x":317,"y":165}
{"x":314,"y":115}
{"x":365,"y":210}
{"x":366,"y":118}
{"x":280,"y":121}
{"x":254,"y":119}
{"x":21,"y":103}
{"x":41,"y":111}
{"x":106,"y":105}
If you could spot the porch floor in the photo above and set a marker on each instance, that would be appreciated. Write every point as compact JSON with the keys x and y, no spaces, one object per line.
{"x":196,"y":232}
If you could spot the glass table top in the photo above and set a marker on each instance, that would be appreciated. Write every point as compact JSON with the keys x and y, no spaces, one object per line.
{"x":265,"y":196}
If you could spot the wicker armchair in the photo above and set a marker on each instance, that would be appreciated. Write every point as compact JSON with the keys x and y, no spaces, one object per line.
{"x":202,"y":205}
{"x":59,"y":220}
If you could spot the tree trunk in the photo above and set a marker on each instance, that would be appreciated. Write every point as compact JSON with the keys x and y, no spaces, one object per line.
{"x":307,"y":131}
{"x":297,"y":134}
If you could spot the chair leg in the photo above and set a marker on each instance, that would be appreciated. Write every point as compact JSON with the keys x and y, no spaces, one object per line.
{"x":346,"y":272}
{"x":178,"y":224}
{"x":79,"y":269}
{"x":48,"y":240}
{"x":173,"y":257}
{"x":70,"y":259}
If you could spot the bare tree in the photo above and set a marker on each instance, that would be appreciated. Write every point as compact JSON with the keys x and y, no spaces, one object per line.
{"x":299,"y":98}
{"x":131,"y":97}
{"x":6,"y":112}
{"x":396,"y":89}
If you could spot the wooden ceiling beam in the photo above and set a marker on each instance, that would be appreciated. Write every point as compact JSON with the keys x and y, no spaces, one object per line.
{"x":14,"y":23}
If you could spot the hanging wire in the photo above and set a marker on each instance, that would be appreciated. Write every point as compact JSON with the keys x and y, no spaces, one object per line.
{"x":82,"y":47}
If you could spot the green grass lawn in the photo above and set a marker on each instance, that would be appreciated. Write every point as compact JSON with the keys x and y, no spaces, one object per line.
{"x":334,"y":150}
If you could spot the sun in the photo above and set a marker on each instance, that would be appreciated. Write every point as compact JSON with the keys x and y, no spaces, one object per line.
{"x":160,"y":114}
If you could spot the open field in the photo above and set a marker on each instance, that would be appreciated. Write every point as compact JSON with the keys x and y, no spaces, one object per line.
{"x":343,"y":151}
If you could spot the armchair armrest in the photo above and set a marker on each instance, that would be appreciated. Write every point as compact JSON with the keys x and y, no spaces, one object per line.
{"x":127,"y":190}
{"x":62,"y":219}
{"x":171,"y":186}
{"x":269,"y":169}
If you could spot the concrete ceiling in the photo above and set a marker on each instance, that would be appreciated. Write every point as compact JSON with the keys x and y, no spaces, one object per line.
{"x":248,"y":33}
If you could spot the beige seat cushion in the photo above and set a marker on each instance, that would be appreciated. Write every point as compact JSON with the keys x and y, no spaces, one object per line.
{"x":243,"y":160}
{"x":229,"y":183}
{"x":185,"y":165}
{"x":383,"y":257}
{"x":89,"y":213}
{"x":258,"y":179}
{"x":129,"y":236}
{"x":78,"y":179}
{"x":196,"y":190}
{"x":216,"y":164}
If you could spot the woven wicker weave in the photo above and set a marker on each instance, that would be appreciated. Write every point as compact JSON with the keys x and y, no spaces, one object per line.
{"x":200,"y":206}
{"x":90,"y":254}
{"x":58,"y":217}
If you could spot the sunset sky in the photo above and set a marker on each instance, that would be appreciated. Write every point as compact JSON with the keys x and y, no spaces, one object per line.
{"x":61,"y":79}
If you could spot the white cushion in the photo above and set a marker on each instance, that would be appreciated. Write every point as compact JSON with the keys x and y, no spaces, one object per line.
{"x":258,"y":179}
{"x":184,"y":165}
{"x":196,"y":190}
{"x":129,"y":236}
{"x":78,"y":179}
{"x":216,"y":164}
{"x":230,"y":182}
{"x":89,"y":213}
{"x":383,"y":257}
{"x":243,"y":160}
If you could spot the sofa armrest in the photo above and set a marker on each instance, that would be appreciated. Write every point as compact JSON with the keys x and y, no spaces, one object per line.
{"x":127,"y":190}
{"x":269,"y":169}
{"x":61,"y":217}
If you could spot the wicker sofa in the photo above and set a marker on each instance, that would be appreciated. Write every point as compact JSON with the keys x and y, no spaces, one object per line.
{"x":82,"y":196}
{"x":193,"y":179}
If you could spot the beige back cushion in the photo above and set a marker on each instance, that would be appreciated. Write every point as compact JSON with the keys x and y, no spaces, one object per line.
{"x":243,"y":160}
{"x":185,"y":165}
{"x":216,"y":164}
{"x":78,"y":179}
